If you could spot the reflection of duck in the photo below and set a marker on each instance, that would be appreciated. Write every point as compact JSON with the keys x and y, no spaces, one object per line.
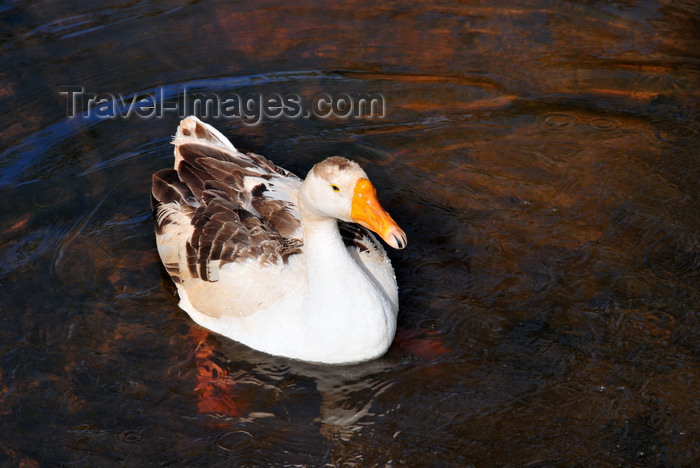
{"x":262,"y":257}
{"x":249,"y":385}
{"x":233,"y":380}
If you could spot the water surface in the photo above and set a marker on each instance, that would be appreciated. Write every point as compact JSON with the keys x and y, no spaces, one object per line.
{"x":542,"y":158}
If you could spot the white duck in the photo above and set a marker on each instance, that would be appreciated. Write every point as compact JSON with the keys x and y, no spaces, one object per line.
{"x":271,"y":261}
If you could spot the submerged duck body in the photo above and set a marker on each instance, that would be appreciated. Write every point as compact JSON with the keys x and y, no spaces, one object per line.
{"x":283,"y":265}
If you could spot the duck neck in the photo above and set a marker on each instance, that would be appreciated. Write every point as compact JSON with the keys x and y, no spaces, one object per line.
{"x":329,"y":267}
{"x":326,"y":256}
{"x":341,"y":301}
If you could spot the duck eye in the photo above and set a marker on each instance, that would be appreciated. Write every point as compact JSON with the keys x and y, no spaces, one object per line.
{"x":335,"y":188}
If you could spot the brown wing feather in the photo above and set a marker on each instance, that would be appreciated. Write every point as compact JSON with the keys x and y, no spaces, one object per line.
{"x":208,"y":185}
{"x":277,"y":212}
{"x":357,"y":236}
{"x":168,"y":189}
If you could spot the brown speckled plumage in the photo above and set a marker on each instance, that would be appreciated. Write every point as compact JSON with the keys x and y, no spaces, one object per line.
{"x":233,"y":221}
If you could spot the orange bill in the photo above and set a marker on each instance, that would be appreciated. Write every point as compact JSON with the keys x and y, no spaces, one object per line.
{"x":367,"y":211}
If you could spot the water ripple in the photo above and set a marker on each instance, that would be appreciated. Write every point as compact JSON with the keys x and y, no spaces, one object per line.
{"x":559,"y":122}
{"x":234,"y":440}
{"x":674,"y":132}
{"x":604,"y":124}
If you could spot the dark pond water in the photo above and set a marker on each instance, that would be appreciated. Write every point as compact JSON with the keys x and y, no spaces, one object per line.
{"x":542,"y":156}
